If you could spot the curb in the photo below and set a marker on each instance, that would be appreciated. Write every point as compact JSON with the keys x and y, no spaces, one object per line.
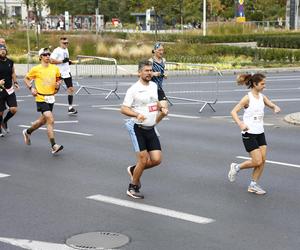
{"x":293,"y":118}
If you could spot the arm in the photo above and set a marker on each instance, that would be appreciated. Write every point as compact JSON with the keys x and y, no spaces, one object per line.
{"x":57,"y":84}
{"x":28,"y":83}
{"x":14,"y":78}
{"x":163,"y":111}
{"x":271,"y":105}
{"x":129,"y":112}
{"x":244,"y":102}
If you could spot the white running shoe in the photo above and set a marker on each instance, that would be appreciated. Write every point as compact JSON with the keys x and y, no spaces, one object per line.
{"x":256,"y":189}
{"x":232,"y":172}
{"x":56,"y":148}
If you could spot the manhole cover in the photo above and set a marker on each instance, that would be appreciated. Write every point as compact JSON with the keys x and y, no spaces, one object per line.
{"x":97,"y":240}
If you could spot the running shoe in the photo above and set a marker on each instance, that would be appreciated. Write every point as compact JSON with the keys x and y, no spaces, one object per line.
{"x":232,"y":172}
{"x":130,"y":170}
{"x":256,"y":189}
{"x":72,"y":111}
{"x":56,"y":148}
{"x":134,"y":192}
{"x":5,"y":127}
{"x":1,"y":134}
{"x":26,"y":137}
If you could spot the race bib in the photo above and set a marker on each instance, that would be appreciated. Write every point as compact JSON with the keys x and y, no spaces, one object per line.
{"x":258,"y":118}
{"x":10,"y":90}
{"x":49,"y":99}
{"x":152,"y":107}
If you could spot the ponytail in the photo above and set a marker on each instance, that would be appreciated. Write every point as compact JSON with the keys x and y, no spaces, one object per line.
{"x":250,"y":79}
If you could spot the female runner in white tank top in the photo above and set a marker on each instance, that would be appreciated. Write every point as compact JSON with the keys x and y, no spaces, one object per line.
{"x":252,"y":128}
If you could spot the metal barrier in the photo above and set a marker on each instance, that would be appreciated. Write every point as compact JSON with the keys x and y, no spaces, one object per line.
{"x":32,"y":59}
{"x":88,"y":66}
{"x":207,"y":97}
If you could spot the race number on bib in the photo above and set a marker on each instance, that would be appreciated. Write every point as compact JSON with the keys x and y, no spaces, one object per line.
{"x":152,"y":107}
{"x":50,"y":99}
{"x":258,"y":118}
{"x":10,"y":90}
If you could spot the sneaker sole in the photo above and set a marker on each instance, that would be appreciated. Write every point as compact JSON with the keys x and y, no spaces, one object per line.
{"x":255,"y":192}
{"x":27,"y":141}
{"x":131,"y":176}
{"x":129,"y":172}
{"x":59,"y":149}
{"x":133,"y":196}
{"x":229,"y":174}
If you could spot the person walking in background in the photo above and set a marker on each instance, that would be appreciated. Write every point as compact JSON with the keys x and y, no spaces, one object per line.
{"x":142,"y":105}
{"x":252,"y":127}
{"x":8,"y":84}
{"x":60,"y":57}
{"x":47,"y":82}
{"x":158,"y":75}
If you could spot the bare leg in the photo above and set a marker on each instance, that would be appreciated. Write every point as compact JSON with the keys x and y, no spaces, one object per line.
{"x":145,"y":160}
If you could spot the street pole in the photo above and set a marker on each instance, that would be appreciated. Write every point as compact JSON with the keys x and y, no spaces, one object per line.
{"x":97,"y":19}
{"x":204,"y":18}
{"x":5,"y":14}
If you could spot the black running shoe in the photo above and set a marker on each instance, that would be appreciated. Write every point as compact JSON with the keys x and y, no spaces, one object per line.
{"x":72,"y":111}
{"x":130,"y":170}
{"x":134,"y":192}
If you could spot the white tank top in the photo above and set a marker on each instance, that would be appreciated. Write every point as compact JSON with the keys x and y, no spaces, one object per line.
{"x":254,"y":115}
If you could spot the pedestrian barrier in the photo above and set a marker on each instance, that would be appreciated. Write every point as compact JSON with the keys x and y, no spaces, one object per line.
{"x":205,"y":92}
{"x":93,"y":66}
{"x":32,"y":59}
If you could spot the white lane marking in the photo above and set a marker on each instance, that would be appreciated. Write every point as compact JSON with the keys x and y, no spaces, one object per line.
{"x":152,"y":209}
{"x":3,"y":175}
{"x":65,"y":104}
{"x":105,"y":105}
{"x":35,"y":245}
{"x":108,"y":108}
{"x":170,"y":115}
{"x":60,"y":131}
{"x":65,"y":122}
{"x":221,"y":116}
{"x":184,"y":116}
{"x":20,"y":100}
{"x":273,"y":162}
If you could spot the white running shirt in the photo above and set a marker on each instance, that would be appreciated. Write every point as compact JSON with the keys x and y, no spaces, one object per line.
{"x":254,"y":115}
{"x":60,"y":54}
{"x":143,"y":100}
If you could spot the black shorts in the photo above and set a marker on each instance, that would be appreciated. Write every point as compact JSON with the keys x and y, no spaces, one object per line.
{"x":43,"y":107}
{"x":161,"y":95}
{"x":6,"y":99}
{"x":253,"y":141}
{"x":146,"y":139}
{"x":68,"y":81}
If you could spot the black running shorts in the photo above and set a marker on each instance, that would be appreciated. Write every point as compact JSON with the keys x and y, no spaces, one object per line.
{"x":43,"y":107}
{"x":161,"y":95}
{"x":6,"y":99}
{"x":146,"y":138}
{"x":68,"y":81}
{"x":253,"y":141}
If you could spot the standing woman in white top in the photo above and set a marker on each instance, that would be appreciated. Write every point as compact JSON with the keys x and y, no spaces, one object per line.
{"x":252,"y":128}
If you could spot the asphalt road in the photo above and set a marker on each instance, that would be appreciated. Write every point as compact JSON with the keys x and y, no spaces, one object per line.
{"x":44,"y":198}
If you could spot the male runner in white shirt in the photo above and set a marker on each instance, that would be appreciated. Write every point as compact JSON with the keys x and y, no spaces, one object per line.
{"x":60,"y":57}
{"x":142,"y":105}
